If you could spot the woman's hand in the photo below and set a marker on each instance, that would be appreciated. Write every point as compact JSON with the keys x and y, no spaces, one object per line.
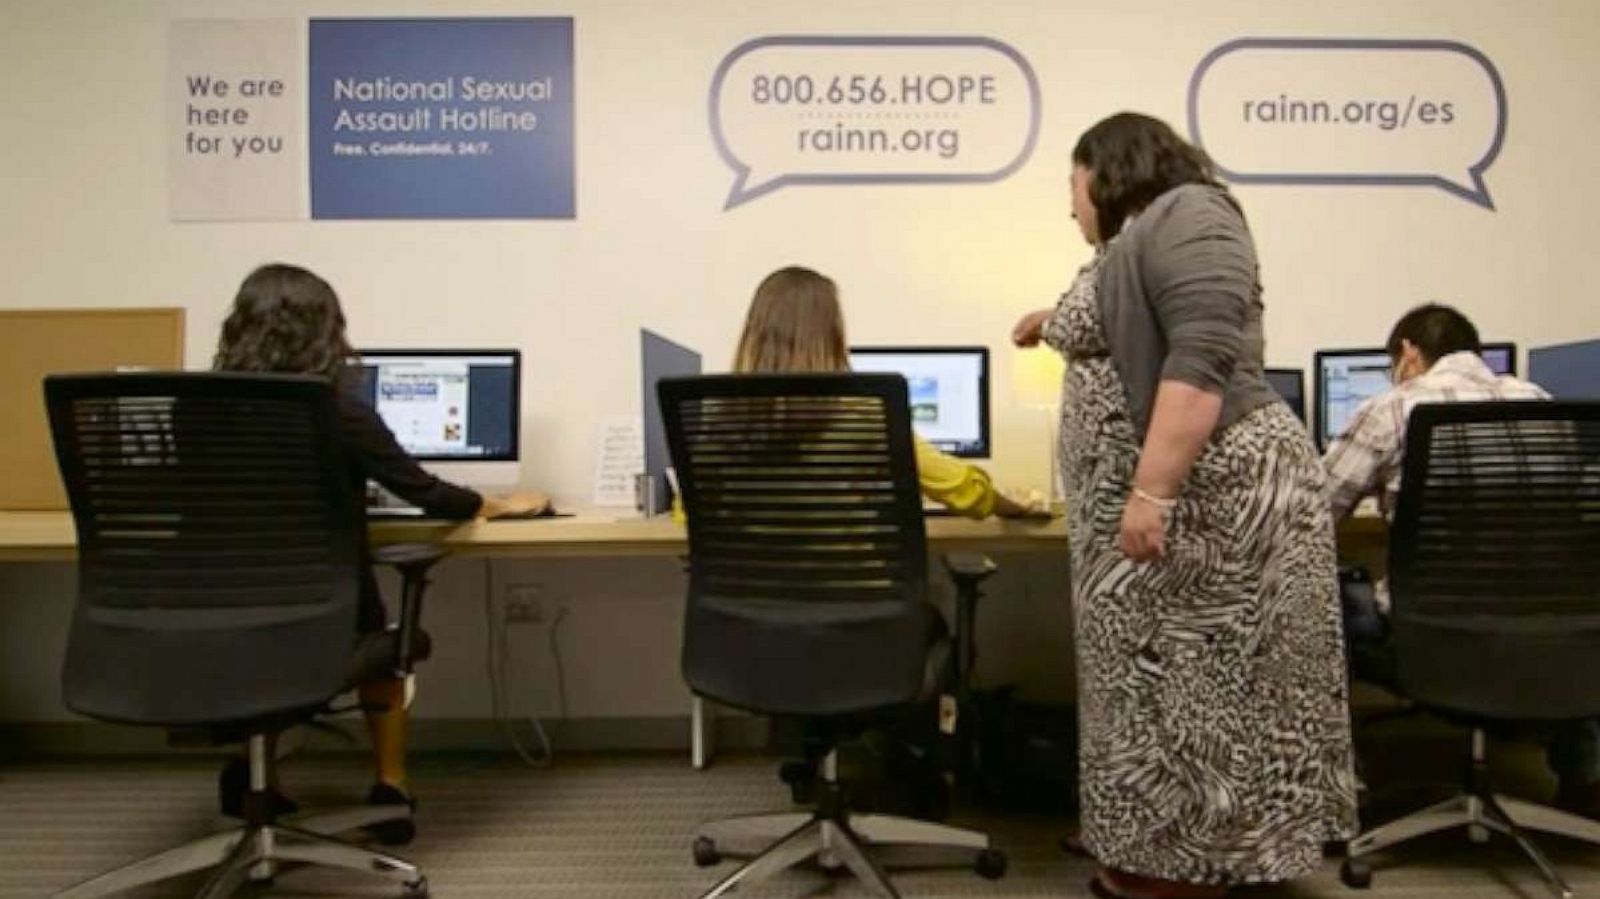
{"x":1181,"y":424}
{"x":523,"y":502}
{"x":1008,"y":507}
{"x":1143,"y":537}
{"x":1030,"y":328}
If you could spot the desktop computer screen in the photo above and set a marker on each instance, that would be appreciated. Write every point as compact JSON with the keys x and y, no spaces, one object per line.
{"x":1290,"y":383}
{"x":1569,"y":371}
{"x":448,"y":405}
{"x":1344,"y":380}
{"x":949,"y":392}
{"x":1500,"y":357}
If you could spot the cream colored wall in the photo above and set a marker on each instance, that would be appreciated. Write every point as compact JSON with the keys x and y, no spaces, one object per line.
{"x":84,"y":222}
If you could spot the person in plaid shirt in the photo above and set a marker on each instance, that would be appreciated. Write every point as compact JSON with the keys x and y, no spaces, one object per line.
{"x":1434,"y":352}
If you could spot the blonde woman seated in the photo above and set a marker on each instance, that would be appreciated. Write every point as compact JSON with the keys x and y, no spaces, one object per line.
{"x":795,"y":324}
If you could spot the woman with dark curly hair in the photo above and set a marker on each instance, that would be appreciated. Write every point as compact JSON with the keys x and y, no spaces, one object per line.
{"x":1215,"y":734}
{"x":286,"y":319}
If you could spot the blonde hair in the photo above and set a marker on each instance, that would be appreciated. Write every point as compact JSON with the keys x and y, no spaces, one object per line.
{"x":794,"y":325}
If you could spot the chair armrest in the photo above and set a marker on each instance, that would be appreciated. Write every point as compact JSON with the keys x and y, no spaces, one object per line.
{"x":970,"y":567}
{"x":413,"y":561}
{"x":403,"y":555}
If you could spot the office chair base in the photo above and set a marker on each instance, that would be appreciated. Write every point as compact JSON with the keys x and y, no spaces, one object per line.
{"x":254,"y":853}
{"x":866,"y":845}
{"x":1488,"y":812}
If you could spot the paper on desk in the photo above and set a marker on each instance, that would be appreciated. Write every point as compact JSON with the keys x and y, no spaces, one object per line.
{"x":619,"y":457}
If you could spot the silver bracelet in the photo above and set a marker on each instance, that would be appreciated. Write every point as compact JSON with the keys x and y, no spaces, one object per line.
{"x":1165,"y":504}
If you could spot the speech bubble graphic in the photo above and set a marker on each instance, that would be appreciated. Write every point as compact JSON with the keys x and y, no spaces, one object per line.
{"x":1350,"y":111}
{"x":829,"y":109}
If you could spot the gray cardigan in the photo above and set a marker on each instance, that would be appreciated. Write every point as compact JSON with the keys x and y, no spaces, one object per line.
{"x":1180,"y":300}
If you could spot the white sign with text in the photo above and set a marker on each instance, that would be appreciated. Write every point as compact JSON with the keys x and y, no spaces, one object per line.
{"x":236,"y":120}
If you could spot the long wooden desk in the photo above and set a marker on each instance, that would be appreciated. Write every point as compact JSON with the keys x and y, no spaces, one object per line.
{"x":49,"y":536}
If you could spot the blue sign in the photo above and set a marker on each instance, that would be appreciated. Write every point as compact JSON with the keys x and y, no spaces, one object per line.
{"x":441,"y":118}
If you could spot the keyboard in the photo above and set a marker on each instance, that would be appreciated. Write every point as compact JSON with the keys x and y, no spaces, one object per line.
{"x":546,"y":512}
{"x":402,"y":512}
{"x":412,"y":512}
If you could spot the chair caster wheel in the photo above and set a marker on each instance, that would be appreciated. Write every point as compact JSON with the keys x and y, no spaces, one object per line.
{"x":1477,"y":834}
{"x":417,"y":889}
{"x":399,"y":832}
{"x":991,"y":864}
{"x":1356,"y":873}
{"x":705,"y":852}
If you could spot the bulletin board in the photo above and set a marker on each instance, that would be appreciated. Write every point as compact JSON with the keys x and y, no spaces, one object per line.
{"x":39,"y":342}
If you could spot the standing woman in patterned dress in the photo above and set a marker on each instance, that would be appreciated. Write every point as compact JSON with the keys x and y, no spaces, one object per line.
{"x":1215,"y":736}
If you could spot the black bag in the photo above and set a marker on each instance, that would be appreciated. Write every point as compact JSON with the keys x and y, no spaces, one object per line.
{"x":1027,"y":752}
{"x":891,"y":761}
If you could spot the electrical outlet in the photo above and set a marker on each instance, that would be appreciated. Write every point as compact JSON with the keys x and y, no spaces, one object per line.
{"x":524,"y":604}
{"x":523,"y":613}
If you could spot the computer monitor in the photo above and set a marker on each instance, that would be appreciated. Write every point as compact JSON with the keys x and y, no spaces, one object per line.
{"x":949,"y":392}
{"x":1500,"y":357}
{"x":456,"y":411}
{"x":1569,"y":371}
{"x":1344,"y":380}
{"x":1290,"y":383}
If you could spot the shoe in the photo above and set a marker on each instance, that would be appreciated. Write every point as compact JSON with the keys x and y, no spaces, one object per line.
{"x":233,"y":782}
{"x":389,"y":794}
{"x":1101,"y":890}
{"x":1072,"y":844}
{"x":1109,"y":884}
{"x":399,"y":831}
{"x":801,"y":776}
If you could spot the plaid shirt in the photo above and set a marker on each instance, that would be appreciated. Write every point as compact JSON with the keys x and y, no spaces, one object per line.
{"x":1366,"y":459}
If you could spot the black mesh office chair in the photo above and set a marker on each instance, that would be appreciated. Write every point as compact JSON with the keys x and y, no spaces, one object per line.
{"x":1494,"y":567}
{"x":808,"y":594}
{"x":218,"y":554}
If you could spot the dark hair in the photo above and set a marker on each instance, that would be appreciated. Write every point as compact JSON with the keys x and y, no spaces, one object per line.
{"x":285,"y":319}
{"x":1436,"y":330}
{"x":1136,"y":158}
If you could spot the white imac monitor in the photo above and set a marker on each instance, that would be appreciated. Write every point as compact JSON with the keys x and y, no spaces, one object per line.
{"x":1345,"y":380}
{"x":456,"y":411}
{"x":949,"y":389}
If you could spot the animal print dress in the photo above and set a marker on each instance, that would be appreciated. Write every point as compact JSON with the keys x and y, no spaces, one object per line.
{"x":1215,"y":735}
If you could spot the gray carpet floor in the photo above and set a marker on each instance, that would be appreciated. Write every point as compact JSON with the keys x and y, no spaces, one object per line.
{"x":589,"y":827}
